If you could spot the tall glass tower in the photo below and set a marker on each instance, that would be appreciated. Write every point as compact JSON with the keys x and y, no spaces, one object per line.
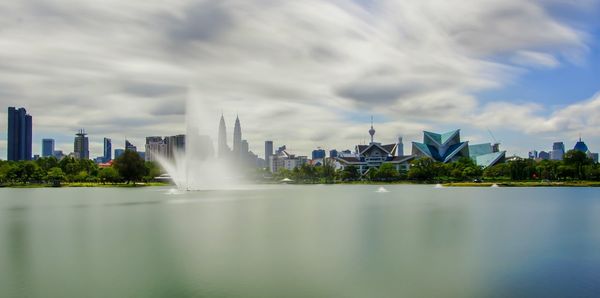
{"x":19,"y":134}
{"x":223,"y":149}
{"x":107,"y":156}
{"x":237,"y":137}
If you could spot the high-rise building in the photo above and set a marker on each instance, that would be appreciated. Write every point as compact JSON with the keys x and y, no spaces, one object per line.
{"x":245,"y":148}
{"x":543,"y":155}
{"x":333,"y":153}
{"x":47,"y":147}
{"x":237,"y":138}
{"x":129,"y":146}
{"x":268,"y":153}
{"x":533,"y":154}
{"x":119,"y":152}
{"x":558,"y":151}
{"x":107,"y":156}
{"x":19,"y":134}
{"x":174,"y":145}
{"x":81,"y":147}
{"x":318,"y":153}
{"x":223,"y":148}
{"x":155,"y":147}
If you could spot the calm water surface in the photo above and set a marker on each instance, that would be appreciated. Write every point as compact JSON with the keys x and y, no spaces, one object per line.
{"x":300,"y":241}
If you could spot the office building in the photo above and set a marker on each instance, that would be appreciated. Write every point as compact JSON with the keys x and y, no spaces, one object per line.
{"x":543,"y":155}
{"x":268,"y":153}
{"x":318,"y":153}
{"x":47,"y":147}
{"x":107,"y":152}
{"x":333,"y":153}
{"x":81,"y":145}
{"x":119,"y":152}
{"x":129,"y":146}
{"x":558,"y":151}
{"x":19,"y":134}
{"x":155,"y":148}
{"x":533,"y":154}
{"x":174,"y":145}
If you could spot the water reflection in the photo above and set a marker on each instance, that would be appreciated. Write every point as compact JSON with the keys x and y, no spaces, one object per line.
{"x":299,"y":241}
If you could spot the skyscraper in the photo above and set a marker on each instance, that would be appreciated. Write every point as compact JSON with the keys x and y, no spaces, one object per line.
{"x":107,"y":156}
{"x":237,"y":137}
{"x":558,"y":151}
{"x":119,"y":152}
{"x":175,"y":145}
{"x":81,"y":145}
{"x":47,"y":147}
{"x":245,"y":148}
{"x":130,"y":146}
{"x":268,"y":153}
{"x":223,"y":149}
{"x":19,"y":134}
{"x":155,"y":147}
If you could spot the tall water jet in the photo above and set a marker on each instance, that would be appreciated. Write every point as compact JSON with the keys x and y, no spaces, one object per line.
{"x":198,"y":167}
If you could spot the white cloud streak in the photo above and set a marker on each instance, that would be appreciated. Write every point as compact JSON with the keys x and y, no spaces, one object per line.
{"x":306,"y":73}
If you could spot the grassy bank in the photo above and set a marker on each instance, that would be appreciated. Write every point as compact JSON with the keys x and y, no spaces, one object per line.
{"x":85,"y":184}
{"x":526,"y":184}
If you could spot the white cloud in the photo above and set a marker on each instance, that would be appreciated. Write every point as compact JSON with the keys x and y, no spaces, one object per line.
{"x":297,"y":72}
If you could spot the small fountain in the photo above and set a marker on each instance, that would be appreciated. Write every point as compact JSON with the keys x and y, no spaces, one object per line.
{"x":382,"y":189}
{"x":438,"y":186}
{"x":494,"y":185}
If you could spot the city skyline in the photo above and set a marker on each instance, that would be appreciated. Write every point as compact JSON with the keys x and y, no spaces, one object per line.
{"x":414,"y":65}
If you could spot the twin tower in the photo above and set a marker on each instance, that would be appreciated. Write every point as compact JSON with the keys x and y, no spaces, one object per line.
{"x":239,"y":146}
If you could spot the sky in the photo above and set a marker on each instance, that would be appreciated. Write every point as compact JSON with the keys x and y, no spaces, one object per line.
{"x":306,"y":74}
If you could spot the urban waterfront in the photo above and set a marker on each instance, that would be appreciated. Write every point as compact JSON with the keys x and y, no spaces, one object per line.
{"x":300,"y":241}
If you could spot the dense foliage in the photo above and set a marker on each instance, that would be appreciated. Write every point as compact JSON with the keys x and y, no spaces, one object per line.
{"x":575,"y":166}
{"x":127,"y":168}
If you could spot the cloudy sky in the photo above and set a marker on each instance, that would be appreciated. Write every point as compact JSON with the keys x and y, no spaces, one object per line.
{"x":304,"y":73}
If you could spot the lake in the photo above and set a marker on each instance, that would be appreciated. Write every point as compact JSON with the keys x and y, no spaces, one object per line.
{"x":300,"y":241}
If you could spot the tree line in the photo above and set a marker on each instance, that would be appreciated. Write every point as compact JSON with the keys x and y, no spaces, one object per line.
{"x":575,"y":165}
{"x":129,"y":167}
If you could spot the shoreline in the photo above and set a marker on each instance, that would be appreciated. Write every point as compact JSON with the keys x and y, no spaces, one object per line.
{"x":445,"y":184}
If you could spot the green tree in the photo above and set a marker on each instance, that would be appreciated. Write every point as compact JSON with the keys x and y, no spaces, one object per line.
{"x":130,"y":166}
{"x":423,"y":169}
{"x":577,"y":160}
{"x":56,"y":176}
{"x":386,"y":172}
{"x":108,"y":175}
{"x":152,"y":170}
{"x":350,"y":172}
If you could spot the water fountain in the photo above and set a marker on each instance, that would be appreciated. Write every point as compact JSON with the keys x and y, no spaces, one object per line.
{"x":197,"y":167}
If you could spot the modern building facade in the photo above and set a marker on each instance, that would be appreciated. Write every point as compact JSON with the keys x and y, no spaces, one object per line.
{"x":19,"y":135}
{"x":47,"y":147}
{"x":446,"y":147}
{"x":487,"y":154}
{"x":107,"y":150}
{"x":81,"y":146}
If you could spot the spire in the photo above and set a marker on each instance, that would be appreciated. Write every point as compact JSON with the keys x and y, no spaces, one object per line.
{"x":372,"y":130}
{"x":222,"y":141}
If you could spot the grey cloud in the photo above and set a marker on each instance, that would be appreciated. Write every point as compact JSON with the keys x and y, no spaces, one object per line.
{"x":201,"y":22}
{"x":153,"y":89}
